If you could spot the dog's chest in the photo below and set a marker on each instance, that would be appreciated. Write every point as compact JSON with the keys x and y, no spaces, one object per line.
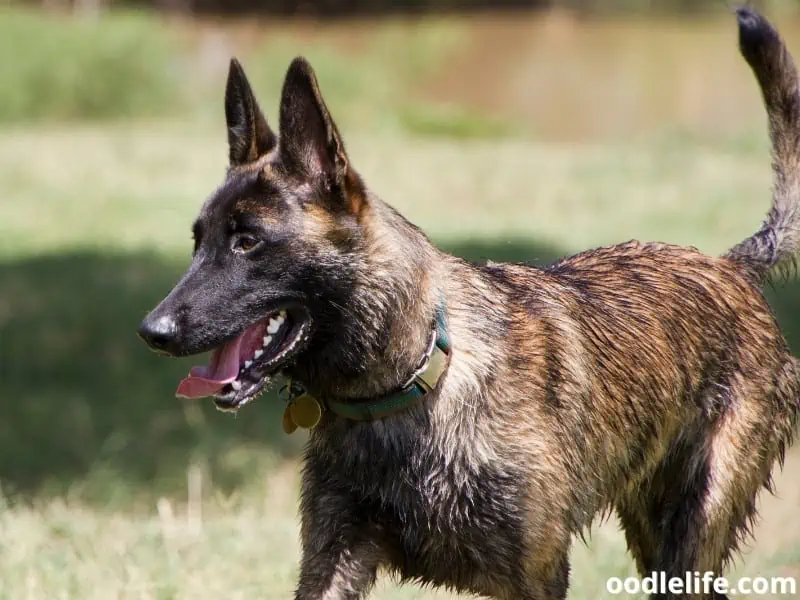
{"x":445,"y":517}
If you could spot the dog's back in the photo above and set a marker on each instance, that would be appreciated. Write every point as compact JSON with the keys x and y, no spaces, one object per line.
{"x":665,"y":372}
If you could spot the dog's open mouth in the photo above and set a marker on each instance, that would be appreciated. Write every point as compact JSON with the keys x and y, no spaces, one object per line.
{"x":239,"y":370}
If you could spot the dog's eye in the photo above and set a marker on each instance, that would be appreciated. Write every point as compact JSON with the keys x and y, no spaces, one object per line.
{"x":244,"y":243}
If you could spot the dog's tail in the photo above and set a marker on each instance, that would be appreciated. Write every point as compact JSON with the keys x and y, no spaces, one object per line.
{"x":775,"y":246}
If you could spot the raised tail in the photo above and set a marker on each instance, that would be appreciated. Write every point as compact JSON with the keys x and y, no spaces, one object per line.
{"x":775,"y":246}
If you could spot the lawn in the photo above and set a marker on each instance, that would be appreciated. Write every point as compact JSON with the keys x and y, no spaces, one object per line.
{"x":114,"y":489}
{"x":109,"y":486}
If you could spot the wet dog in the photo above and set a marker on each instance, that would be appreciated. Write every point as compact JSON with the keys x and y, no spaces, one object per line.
{"x":466,"y":422}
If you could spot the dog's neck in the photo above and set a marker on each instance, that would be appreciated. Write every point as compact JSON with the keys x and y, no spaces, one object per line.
{"x":385,"y":327}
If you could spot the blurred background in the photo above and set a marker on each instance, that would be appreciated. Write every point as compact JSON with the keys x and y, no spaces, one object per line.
{"x":515,"y":130}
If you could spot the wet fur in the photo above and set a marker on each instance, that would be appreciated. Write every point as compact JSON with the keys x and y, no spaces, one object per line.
{"x":648,"y":379}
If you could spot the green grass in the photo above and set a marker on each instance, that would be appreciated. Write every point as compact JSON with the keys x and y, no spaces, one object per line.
{"x":369,"y":74}
{"x":110,"y":487}
{"x":61,"y":68}
{"x":114,"y":489}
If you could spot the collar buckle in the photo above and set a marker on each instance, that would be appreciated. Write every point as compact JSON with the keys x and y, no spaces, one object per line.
{"x":422,"y":381}
{"x":423,"y":365}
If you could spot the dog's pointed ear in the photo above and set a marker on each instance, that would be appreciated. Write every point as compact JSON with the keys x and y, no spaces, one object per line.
{"x":249,"y":135}
{"x":310,"y":142}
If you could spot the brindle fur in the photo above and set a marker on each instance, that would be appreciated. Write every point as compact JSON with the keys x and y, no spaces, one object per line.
{"x":648,"y":379}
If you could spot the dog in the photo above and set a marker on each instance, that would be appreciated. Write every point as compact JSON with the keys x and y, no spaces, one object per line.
{"x":467,"y":421}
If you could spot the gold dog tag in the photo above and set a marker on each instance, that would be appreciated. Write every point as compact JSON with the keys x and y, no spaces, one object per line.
{"x":289,"y":426}
{"x":305,"y":411}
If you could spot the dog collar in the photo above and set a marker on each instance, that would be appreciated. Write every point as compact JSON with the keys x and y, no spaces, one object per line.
{"x":303,"y":410}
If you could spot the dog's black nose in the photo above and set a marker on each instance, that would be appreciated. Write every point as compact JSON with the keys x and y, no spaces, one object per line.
{"x":160,"y":332}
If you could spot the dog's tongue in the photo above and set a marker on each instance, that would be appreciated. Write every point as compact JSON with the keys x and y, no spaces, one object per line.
{"x":208,"y":380}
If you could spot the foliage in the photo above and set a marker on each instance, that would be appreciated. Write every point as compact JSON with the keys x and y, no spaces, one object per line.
{"x":64,"y":68}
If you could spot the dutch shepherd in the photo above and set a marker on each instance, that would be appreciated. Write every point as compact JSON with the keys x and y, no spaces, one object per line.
{"x":467,"y":421}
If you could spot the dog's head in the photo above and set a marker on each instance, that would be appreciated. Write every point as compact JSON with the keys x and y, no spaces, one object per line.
{"x":275,"y":246}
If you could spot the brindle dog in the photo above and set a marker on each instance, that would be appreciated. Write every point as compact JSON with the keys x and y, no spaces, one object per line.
{"x":648,"y":379}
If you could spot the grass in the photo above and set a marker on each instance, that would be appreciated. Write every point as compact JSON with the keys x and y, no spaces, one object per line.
{"x":113,"y":489}
{"x":369,"y":75}
{"x":138,"y":65}
{"x":68,"y":69}
{"x":455,"y":77}
{"x":110,"y":487}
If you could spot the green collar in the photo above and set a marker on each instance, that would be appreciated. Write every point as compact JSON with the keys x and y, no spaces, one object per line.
{"x":423,"y":381}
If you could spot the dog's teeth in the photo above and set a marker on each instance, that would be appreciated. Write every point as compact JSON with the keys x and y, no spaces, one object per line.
{"x":237,"y":385}
{"x":247,"y":364}
{"x":282,"y":315}
{"x":274,"y":325}
{"x":258,"y":354}
{"x":267,"y":340}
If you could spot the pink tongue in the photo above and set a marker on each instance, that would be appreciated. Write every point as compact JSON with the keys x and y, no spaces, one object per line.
{"x":208,"y":380}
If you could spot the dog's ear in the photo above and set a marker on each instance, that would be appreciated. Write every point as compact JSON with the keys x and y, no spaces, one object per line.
{"x":310,"y":142}
{"x":249,"y":135}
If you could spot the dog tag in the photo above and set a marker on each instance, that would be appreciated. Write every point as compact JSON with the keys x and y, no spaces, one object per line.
{"x":289,"y":426}
{"x":305,"y":411}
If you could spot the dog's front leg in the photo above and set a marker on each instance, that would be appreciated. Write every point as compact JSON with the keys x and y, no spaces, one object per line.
{"x":342,"y":550}
{"x":339,"y":571}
